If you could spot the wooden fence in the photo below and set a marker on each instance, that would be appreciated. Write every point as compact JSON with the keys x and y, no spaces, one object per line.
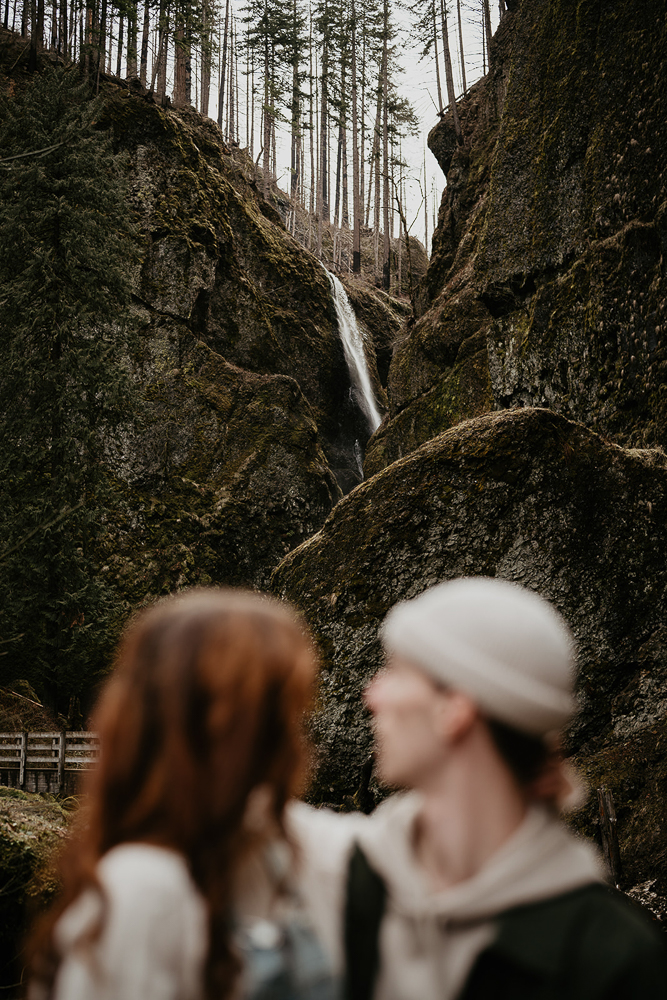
{"x":46,"y":762}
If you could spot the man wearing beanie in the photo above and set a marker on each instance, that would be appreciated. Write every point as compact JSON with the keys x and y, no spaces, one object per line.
{"x":465,"y":886}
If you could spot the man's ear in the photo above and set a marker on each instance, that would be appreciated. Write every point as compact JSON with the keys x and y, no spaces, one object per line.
{"x":458,"y":716}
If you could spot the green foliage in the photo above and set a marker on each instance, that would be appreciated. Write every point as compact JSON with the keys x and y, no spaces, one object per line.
{"x":66,"y":252}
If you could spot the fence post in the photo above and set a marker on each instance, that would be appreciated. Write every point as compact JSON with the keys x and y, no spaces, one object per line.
{"x":61,"y":763}
{"x":23,"y":759}
{"x":609,"y":831}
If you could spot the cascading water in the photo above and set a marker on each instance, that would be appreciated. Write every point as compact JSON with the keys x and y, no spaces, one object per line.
{"x":353,"y":346}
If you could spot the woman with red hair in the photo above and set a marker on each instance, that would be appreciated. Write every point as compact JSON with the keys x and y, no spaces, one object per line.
{"x":179,"y":885}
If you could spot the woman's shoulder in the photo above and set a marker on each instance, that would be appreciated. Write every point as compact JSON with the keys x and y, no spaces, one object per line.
{"x":154,"y":929}
{"x":136,"y":867}
{"x":138,"y":882}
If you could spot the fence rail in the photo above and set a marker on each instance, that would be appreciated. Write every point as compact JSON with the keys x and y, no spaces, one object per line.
{"x":46,"y":762}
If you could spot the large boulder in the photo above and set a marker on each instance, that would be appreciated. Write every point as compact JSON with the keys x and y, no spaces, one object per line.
{"x":531,"y":497}
{"x":547,"y":284}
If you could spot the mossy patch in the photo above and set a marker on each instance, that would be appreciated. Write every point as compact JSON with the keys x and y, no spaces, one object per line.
{"x":32,"y":830}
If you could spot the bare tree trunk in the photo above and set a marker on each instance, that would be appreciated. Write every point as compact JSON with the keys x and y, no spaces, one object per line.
{"x":119,"y":53}
{"x":54,"y":25}
{"x":252,"y":109}
{"x":267,"y":117}
{"x":362,"y":143}
{"x":324,"y":181}
{"x":143,"y":65}
{"x":461,"y":48}
{"x":230,"y":84}
{"x":346,"y":199}
{"x":110,"y":48}
{"x":407,"y":249}
{"x":40,"y":24}
{"x":435,"y":52}
{"x":223,"y":70}
{"x":339,"y":151}
{"x":375,"y":157}
{"x":356,"y":207}
{"x":132,"y":43}
{"x":63,"y":40}
{"x":318,"y":160}
{"x":295,"y":152}
{"x":102,"y":41}
{"x":159,"y":77}
{"x":162,"y":72}
{"x":386,"y":248}
{"x":487,"y":31}
{"x":236,"y":86}
{"x":311,"y":203}
{"x":449,"y":75}
{"x":205,"y":87}
{"x":88,"y":39}
{"x":425,"y":206}
{"x":188,"y":57}
{"x":179,"y":64}
{"x":36,"y":32}
{"x":483,"y":44}
{"x":376,"y":214}
{"x":247,"y":92}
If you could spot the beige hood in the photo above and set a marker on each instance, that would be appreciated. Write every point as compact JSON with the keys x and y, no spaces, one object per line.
{"x":541,"y":859}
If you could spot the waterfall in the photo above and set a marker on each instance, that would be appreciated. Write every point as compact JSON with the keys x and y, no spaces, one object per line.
{"x":353,"y":347}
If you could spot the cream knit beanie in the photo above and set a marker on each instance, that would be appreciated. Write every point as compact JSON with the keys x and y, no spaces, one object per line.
{"x":501,"y":644}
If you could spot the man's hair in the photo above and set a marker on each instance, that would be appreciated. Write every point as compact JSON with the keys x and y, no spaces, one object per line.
{"x":524,"y":755}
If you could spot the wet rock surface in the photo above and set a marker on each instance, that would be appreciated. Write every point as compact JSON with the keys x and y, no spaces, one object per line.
{"x":248,"y":428}
{"x":547,"y":284}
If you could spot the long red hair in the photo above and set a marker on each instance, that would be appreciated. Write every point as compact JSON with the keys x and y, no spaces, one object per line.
{"x":206,"y":703}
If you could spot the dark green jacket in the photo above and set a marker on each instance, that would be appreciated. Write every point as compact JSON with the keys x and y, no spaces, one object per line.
{"x":589,"y":944}
{"x":592,"y":943}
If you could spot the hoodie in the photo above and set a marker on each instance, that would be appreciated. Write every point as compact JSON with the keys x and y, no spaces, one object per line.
{"x":429,"y":941}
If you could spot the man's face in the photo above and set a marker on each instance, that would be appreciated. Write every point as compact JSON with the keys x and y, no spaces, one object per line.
{"x":408,"y":710}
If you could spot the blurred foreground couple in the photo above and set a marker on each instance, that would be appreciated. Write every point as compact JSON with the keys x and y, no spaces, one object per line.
{"x":198,"y":875}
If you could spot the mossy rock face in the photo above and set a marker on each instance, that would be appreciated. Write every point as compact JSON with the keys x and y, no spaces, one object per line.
{"x":525,"y":495}
{"x":634,"y":768}
{"x":224,"y":475}
{"x":32,"y":830}
{"x":215,"y":261}
{"x":247,"y":417}
{"x":552,"y":229}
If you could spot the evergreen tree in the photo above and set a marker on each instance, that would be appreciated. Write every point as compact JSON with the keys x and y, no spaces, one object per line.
{"x":66,"y":250}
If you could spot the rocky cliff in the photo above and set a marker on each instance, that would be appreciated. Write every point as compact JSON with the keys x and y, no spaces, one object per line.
{"x":547,"y":283}
{"x":532,"y":497}
{"x":249,"y":428}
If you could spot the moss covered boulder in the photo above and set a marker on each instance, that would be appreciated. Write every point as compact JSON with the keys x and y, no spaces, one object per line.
{"x":32,"y":829}
{"x":548,"y":264}
{"x":525,"y":495}
{"x":223,"y":477}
